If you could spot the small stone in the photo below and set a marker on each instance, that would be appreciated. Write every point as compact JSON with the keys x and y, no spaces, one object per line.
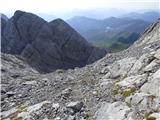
{"x":57,"y":118}
{"x":29,"y":83}
{"x":67,"y":92}
{"x":69,"y":77}
{"x":151,"y":66}
{"x":3,"y":91}
{"x":19,"y":95}
{"x":71,"y":118}
{"x":59,"y":71}
{"x":157,"y":55}
{"x":104,"y":70}
{"x":45,"y":79}
{"x":94,"y":92}
{"x":10,"y":93}
{"x":105,"y":82}
{"x":155,"y":115}
{"x":69,"y":111}
{"x":55,"y":105}
{"x":76,"y":106}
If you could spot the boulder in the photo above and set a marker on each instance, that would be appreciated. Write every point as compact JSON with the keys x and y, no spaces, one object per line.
{"x":132,"y":81}
{"x":120,"y":68}
{"x":75,"y":106}
{"x":112,"y":111}
{"x":143,"y":102}
{"x":144,"y":60}
{"x":157,"y":55}
{"x":152,"y":86}
{"x":152,"y":66}
{"x":155,"y":116}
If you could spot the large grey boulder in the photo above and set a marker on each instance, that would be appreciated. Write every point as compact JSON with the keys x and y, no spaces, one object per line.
{"x":153,"y":84}
{"x":112,"y":111}
{"x":120,"y":68}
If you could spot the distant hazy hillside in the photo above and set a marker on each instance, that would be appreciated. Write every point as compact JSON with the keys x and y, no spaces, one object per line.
{"x":148,"y":16}
{"x":82,"y":23}
{"x":112,"y":33}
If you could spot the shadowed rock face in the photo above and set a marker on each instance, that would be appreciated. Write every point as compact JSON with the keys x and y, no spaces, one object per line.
{"x":4,"y":21}
{"x":47,"y":46}
{"x":20,"y":30}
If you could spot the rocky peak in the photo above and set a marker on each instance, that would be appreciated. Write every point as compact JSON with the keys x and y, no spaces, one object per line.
{"x":4,"y":17}
{"x":4,"y":20}
{"x":19,"y":13}
{"x":47,"y":46}
{"x":20,"y":30}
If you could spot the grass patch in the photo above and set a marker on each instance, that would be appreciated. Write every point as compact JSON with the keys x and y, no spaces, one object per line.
{"x":18,"y":118}
{"x":22,"y":108}
{"x":13,"y":115}
{"x":151,"y":118}
{"x":128,"y":92}
{"x":148,"y":117}
{"x":129,"y":104}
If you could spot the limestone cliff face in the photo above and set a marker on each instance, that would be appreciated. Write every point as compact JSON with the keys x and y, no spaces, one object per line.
{"x":120,"y":86}
{"x":47,"y":46}
{"x":150,"y":35}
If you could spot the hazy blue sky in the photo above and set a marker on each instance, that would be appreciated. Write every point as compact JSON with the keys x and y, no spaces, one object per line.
{"x":63,"y":6}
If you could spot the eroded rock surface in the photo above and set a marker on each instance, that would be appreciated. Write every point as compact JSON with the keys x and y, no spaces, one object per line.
{"x":120,"y":86}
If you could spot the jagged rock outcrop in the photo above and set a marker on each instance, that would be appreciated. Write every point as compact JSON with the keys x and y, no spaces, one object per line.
{"x":47,"y":46}
{"x":4,"y":20}
{"x":20,"y":30}
{"x":150,"y":35}
{"x":120,"y":86}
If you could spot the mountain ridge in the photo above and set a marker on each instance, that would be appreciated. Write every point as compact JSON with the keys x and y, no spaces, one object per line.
{"x":150,"y":16}
{"x":105,"y":33}
{"x":30,"y":36}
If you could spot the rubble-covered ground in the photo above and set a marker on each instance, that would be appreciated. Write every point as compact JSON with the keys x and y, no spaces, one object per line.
{"x":120,"y":86}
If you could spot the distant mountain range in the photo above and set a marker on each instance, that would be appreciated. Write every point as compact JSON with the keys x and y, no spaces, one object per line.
{"x":147,"y":16}
{"x":112,"y":33}
{"x":47,"y":17}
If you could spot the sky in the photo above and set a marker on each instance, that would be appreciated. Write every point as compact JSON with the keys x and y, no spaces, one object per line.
{"x":56,"y":7}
